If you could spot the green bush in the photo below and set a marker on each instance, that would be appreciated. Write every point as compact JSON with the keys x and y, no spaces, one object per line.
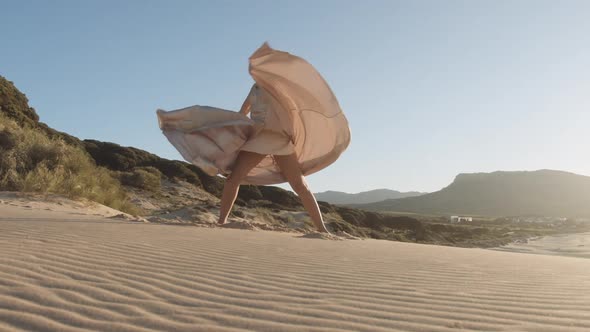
{"x":7,"y":140}
{"x":147,"y":178}
{"x":35,"y":162}
{"x":151,"y":170}
{"x":14,"y":104}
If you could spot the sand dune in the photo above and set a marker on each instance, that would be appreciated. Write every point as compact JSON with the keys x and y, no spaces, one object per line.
{"x":61,"y":271}
{"x":573,"y":245}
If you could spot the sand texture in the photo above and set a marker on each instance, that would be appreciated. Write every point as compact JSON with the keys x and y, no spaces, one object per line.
{"x":68,"y":272}
{"x":573,"y":245}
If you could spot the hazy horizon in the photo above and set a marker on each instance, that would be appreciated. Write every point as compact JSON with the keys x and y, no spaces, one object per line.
{"x":430,"y":89}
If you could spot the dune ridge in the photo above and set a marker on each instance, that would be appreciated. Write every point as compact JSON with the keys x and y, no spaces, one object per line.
{"x":69,"y":273}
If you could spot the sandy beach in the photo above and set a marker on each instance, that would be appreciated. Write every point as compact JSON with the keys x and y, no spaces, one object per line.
{"x":572,"y":245}
{"x":70,"y":271}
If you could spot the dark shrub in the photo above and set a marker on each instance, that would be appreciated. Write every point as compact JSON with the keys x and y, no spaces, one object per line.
{"x":140,"y":178}
{"x":7,"y":140}
{"x":325,"y":207}
{"x":352,"y":216}
{"x":280,"y":197}
{"x":15,"y":105}
{"x":248,"y":193}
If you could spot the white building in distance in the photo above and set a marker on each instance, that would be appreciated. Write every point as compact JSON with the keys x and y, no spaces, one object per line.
{"x":457,"y":219}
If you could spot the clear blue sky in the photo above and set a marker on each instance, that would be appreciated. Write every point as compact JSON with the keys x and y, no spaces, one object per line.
{"x":430,"y":88}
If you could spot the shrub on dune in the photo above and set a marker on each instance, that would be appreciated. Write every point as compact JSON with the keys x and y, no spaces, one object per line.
{"x":147,"y":178}
{"x":31,"y":161}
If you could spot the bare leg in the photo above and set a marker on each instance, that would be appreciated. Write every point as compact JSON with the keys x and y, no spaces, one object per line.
{"x":244,"y":163}
{"x":291,"y":171}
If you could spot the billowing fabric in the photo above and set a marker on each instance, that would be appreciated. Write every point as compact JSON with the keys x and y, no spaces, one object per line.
{"x":273,"y":129}
{"x":207,"y":137}
{"x":293,"y":110}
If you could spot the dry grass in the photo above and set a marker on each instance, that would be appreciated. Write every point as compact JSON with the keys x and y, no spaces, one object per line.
{"x":31,"y":161}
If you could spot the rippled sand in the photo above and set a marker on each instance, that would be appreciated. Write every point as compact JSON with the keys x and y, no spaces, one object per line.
{"x":68,"y":273}
{"x":572,"y":245}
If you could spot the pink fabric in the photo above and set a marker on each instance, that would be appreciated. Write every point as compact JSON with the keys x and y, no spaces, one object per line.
{"x":299,"y":110}
{"x":273,"y":126}
{"x":207,"y":137}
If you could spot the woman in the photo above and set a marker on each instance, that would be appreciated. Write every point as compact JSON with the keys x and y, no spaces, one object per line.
{"x":296,"y":128}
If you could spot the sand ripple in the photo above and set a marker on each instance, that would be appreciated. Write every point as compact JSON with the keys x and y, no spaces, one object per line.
{"x":79,"y":275}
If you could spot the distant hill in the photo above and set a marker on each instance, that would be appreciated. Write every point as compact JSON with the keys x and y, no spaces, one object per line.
{"x":543,"y":193}
{"x":377,"y":195}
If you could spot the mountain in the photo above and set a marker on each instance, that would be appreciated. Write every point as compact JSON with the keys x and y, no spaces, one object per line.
{"x":377,"y":195}
{"x":541,"y":193}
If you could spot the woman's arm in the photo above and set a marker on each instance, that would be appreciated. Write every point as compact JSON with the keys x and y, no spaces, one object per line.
{"x":246,"y":106}
{"x":248,"y":103}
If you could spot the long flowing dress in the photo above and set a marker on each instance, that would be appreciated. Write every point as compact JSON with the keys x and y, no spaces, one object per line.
{"x":293,"y":110}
